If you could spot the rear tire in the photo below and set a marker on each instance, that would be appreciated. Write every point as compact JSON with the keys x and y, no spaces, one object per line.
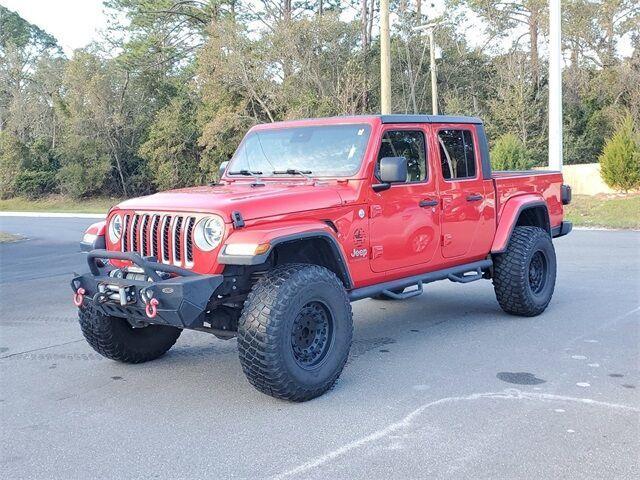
{"x":115,"y":338}
{"x":524,"y":276}
{"x":295,"y":332}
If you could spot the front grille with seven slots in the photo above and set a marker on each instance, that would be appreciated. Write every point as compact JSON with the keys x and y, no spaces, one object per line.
{"x":169,"y":238}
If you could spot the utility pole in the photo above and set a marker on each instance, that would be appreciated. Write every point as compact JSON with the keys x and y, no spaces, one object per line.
{"x":434,"y":76}
{"x":385,"y":59}
{"x":431,"y":27}
{"x":555,"y":85}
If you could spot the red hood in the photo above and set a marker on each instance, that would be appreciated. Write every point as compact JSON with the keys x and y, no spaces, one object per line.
{"x":275,"y":198}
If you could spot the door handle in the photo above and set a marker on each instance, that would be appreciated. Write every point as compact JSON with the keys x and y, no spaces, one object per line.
{"x":474,"y":198}
{"x":428,"y":203}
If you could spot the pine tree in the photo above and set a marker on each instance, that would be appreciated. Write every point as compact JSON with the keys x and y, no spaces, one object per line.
{"x":509,"y":153}
{"x":620,"y":159}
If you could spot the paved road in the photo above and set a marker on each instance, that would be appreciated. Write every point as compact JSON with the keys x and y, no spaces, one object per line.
{"x":441,"y":386}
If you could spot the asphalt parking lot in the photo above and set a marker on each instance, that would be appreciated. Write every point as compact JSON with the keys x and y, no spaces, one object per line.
{"x":444,"y":385}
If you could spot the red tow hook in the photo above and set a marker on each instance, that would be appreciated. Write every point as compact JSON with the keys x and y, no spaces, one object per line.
{"x":78,"y":297}
{"x":152,"y":308}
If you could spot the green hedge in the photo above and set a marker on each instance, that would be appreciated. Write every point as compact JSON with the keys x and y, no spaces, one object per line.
{"x":33,"y":184}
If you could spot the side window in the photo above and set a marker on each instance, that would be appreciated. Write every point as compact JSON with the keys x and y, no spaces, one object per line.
{"x":457,"y":155}
{"x":409,"y":144}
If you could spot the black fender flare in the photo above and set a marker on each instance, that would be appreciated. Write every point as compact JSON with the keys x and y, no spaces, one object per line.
{"x":341,"y":263}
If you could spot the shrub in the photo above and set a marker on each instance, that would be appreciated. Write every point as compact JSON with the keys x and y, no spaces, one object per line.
{"x":77,"y":180}
{"x":34,"y":184}
{"x":620,"y":159}
{"x":509,"y":153}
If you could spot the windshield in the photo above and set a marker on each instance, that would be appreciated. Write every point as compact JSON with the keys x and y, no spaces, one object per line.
{"x":319,"y":151}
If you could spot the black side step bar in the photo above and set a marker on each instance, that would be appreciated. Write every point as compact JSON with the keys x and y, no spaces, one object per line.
{"x":404,"y":295}
{"x":464,"y":278}
{"x":455,"y":274}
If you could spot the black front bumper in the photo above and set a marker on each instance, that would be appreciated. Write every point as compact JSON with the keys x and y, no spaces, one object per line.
{"x":181,"y":298}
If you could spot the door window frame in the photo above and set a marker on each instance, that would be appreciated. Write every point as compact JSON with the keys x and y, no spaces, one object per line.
{"x":476,"y":152}
{"x":411,"y":128}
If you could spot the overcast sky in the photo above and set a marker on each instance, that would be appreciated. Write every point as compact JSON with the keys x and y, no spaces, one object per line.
{"x":74,"y":23}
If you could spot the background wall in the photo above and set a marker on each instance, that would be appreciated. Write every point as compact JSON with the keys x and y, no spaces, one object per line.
{"x":585,"y":179}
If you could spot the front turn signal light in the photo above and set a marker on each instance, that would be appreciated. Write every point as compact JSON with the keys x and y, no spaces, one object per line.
{"x":246,"y":249}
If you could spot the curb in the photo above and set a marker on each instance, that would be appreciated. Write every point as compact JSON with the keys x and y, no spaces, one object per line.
{"x":52,"y":215}
{"x":604,"y":229}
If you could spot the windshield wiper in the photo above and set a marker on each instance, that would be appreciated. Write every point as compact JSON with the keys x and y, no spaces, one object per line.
{"x":292,"y":171}
{"x":247,"y":173}
{"x":255,"y":174}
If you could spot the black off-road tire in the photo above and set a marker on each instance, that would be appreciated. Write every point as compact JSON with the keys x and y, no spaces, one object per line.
{"x":524,"y":276}
{"x":115,"y":338}
{"x":278,"y":304}
{"x":383,"y":297}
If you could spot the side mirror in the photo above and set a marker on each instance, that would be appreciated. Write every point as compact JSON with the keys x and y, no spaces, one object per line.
{"x":222,"y":168}
{"x":392,"y":170}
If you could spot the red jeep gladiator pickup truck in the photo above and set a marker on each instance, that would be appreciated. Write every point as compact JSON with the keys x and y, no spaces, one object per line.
{"x":309,"y":216}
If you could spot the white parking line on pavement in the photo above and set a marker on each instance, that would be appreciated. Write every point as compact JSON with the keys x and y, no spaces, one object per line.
{"x":407,"y":421}
{"x":52,"y":215}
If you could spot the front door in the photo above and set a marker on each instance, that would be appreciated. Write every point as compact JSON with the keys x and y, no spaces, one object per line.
{"x":462,"y":189}
{"x":404,"y":223}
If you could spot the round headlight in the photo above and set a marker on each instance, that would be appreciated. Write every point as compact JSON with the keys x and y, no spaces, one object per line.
{"x":115,"y":228}
{"x":208,"y":233}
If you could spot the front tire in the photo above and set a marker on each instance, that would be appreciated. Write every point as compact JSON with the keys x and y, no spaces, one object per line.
{"x":115,"y":338}
{"x":524,"y":276}
{"x":295,"y":332}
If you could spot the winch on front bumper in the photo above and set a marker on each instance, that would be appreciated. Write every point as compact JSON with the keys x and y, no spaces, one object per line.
{"x":147,"y":292}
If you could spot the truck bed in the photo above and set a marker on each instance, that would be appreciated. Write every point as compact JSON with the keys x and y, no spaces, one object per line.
{"x":544,"y":183}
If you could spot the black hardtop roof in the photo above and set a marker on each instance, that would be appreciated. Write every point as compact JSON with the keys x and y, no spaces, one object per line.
{"x":395,"y":118}
{"x":398,"y":118}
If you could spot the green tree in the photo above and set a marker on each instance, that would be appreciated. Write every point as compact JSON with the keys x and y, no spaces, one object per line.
{"x":171,"y":89}
{"x":11,"y":154}
{"x":509,"y":153}
{"x":172,"y":147}
{"x":507,"y":16}
{"x":16,"y":31}
{"x":620,"y":159}
{"x":516,"y":106}
{"x":105,"y":110}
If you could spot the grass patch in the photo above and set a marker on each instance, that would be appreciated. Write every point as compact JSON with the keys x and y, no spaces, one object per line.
{"x":58,"y":204}
{"x":9,"y":237}
{"x":608,"y":211}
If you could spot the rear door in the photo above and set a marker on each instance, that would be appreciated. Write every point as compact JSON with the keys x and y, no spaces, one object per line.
{"x":404,"y":221}
{"x":463,"y":191}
